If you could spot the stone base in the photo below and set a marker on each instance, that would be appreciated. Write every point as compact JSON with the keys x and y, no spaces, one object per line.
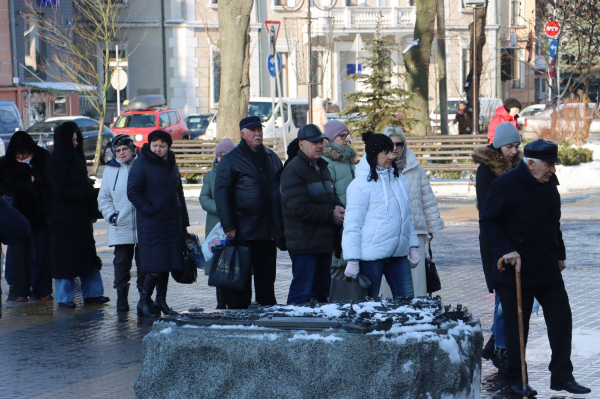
{"x":253,"y":362}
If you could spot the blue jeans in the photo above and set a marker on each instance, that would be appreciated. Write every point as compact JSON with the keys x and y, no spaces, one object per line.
{"x":311,"y":277}
{"x":396,"y":271}
{"x":91,"y":287}
{"x":498,"y":326}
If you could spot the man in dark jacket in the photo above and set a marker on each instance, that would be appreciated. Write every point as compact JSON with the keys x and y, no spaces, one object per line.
{"x":311,"y":212}
{"x":13,"y":228}
{"x":521,"y":216}
{"x":245,"y":194}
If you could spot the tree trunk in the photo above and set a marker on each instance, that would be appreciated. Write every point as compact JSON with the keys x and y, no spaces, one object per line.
{"x":234,"y":50}
{"x":473,"y":89}
{"x":417,"y":60}
{"x":107,"y":76}
{"x":441,"y":66}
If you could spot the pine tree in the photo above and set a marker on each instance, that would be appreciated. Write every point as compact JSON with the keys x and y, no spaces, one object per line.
{"x":380,"y":103}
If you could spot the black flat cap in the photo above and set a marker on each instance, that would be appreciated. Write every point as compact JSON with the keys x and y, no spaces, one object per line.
{"x":542,"y":149}
{"x":250,"y":122}
{"x":310,"y":132}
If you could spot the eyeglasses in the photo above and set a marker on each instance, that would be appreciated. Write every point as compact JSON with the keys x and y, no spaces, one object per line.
{"x":120,"y":150}
{"x":344,"y":136}
{"x":399,"y":144}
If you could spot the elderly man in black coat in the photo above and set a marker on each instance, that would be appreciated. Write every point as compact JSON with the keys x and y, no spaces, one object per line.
{"x":246,"y":194}
{"x":521,"y":217}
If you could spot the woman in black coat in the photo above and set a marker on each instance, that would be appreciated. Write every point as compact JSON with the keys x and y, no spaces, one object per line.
{"x":73,"y":206}
{"x":155,"y":190}
{"x":23,"y":179}
{"x":494,"y":160}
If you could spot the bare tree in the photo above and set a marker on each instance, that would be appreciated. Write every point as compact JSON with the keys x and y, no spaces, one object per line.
{"x":477,"y":33}
{"x":84,"y":45}
{"x":234,"y":50}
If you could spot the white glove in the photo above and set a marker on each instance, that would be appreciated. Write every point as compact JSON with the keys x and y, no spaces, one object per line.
{"x":413,"y":257}
{"x":352,"y":269}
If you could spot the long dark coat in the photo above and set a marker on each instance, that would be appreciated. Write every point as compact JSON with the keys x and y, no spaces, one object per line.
{"x":155,"y":190}
{"x":491,"y":165}
{"x":246,"y":197}
{"x":73,"y":206}
{"x":521,"y":214}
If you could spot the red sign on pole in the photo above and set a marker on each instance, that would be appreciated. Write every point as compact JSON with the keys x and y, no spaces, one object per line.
{"x":552,"y":29}
{"x":273,"y":27}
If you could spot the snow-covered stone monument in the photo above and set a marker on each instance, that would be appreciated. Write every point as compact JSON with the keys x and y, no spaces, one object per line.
{"x":407,"y":348}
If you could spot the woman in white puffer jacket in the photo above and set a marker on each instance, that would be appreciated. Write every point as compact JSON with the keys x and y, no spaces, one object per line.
{"x":423,"y":205}
{"x":379,"y":236}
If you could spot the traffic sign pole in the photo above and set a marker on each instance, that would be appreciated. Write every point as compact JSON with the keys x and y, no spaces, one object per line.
{"x":118,"y":76}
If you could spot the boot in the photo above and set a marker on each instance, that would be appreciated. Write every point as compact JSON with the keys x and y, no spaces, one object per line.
{"x":161,"y":295}
{"x":122,"y":293}
{"x":143,"y":306}
{"x":221,"y":302}
{"x":488,"y":350}
{"x":150,"y":301}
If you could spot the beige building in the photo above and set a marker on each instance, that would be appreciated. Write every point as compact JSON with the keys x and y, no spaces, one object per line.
{"x":186,"y":68}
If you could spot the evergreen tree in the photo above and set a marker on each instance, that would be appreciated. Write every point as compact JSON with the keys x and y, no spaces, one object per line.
{"x":380,"y":103}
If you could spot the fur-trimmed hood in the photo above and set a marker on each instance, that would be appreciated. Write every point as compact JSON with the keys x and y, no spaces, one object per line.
{"x":336,"y":153}
{"x":494,"y":159}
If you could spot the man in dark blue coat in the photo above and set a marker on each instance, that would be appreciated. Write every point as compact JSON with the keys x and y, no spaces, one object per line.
{"x":521,"y":217}
{"x":246,"y":194}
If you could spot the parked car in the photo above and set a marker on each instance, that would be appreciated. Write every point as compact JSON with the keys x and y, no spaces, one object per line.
{"x":487,"y":108}
{"x":10,"y":120}
{"x":529,"y":111}
{"x":147,"y":113}
{"x":197,"y":124}
{"x":43,"y":134}
{"x":294,"y":117}
{"x":570,"y":117}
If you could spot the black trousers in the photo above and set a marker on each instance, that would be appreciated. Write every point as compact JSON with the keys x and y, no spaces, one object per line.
{"x":557,"y":313}
{"x":263,"y":258}
{"x":124,"y":255}
{"x":32,"y":269}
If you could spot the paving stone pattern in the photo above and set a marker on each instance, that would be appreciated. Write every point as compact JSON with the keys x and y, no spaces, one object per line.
{"x":94,"y":352}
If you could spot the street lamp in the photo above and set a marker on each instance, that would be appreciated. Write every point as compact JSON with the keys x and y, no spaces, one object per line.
{"x":475,"y":4}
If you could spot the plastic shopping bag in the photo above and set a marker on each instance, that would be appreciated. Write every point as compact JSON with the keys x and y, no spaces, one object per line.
{"x":215,"y":237}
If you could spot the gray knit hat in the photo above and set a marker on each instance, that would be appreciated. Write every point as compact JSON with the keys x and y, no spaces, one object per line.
{"x":506,"y":133}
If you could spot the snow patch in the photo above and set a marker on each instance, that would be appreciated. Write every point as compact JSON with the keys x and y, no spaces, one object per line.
{"x":260,"y":337}
{"x":407,"y":367}
{"x":167,"y":330}
{"x":192,"y":194}
{"x":450,"y":346}
{"x":315,"y":337}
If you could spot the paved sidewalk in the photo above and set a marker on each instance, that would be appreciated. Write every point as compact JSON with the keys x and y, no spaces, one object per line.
{"x":94,"y":352}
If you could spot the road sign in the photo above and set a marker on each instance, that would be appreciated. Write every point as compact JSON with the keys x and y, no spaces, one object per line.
{"x":552,"y":29}
{"x":273,"y":28}
{"x":119,"y":79}
{"x":552,"y":48}
{"x":122,"y":63}
{"x":274,"y":68}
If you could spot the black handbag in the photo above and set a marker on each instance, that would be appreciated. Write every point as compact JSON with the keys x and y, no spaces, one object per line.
{"x":230,"y":266}
{"x":189,"y":273}
{"x":349,"y":289}
{"x":432,"y":276}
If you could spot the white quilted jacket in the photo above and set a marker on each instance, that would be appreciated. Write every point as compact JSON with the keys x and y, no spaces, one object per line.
{"x":378,"y":223}
{"x":112,"y":198}
{"x":424,"y":207}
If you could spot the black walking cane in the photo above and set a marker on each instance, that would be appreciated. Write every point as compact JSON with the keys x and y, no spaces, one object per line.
{"x":501,"y":268}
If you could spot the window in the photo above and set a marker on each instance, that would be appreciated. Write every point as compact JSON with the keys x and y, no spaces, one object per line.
{"x":87,"y":125}
{"x":136,"y":120}
{"x":465,"y":66}
{"x":285,"y":112}
{"x":164,"y":120}
{"x":351,"y":3}
{"x":278,"y":2}
{"x":516,"y":17}
{"x":317,"y":73}
{"x":174,"y":116}
{"x":111,"y":94}
{"x":60,"y":106}
{"x":299,"y":112}
{"x":216,"y":77}
{"x":33,"y":54}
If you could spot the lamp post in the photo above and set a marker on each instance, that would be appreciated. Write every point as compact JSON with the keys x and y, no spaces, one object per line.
{"x":475,"y":4}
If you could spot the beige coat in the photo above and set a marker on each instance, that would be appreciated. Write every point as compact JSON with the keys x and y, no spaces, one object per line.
{"x":319,"y":115}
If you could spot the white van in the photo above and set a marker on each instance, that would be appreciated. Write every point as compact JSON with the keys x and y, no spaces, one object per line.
{"x":294,"y":117}
{"x":487,"y":108}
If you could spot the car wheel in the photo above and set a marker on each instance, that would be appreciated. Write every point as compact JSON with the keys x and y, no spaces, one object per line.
{"x":107,"y":156}
{"x":185,"y":138}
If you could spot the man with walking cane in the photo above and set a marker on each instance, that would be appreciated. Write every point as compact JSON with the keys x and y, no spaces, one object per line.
{"x":521,"y":217}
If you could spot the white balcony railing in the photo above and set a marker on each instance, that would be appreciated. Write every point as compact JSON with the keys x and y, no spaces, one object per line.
{"x":367,"y":17}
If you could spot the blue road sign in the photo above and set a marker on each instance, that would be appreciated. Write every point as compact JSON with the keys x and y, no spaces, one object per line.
{"x":553,"y":47}
{"x":271,"y":65}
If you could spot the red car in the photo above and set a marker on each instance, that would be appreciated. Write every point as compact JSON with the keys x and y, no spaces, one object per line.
{"x":141,"y":122}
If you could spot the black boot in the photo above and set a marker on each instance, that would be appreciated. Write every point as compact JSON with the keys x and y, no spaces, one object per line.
{"x":122,"y":293}
{"x":161,"y":295}
{"x":143,"y":306}
{"x":488,"y":350}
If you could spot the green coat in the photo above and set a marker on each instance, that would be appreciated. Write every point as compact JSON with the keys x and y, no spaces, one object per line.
{"x":207,"y":199}
{"x":341,"y":167}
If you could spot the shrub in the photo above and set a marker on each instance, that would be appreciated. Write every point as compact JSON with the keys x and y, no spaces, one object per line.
{"x":574,"y":156}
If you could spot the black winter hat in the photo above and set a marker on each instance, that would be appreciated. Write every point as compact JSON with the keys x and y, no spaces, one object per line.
{"x":512,"y":103}
{"x":123,"y":139}
{"x":376,"y":143}
{"x":160,"y":135}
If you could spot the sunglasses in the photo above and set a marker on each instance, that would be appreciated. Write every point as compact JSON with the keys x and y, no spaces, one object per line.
{"x":399,"y":144}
